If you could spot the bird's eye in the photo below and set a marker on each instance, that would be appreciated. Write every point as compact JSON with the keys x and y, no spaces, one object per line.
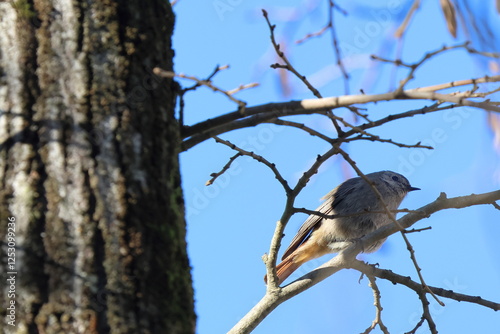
{"x":395,"y":178}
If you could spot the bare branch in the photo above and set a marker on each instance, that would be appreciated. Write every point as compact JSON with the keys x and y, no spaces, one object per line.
{"x":223,"y":170}
{"x":426,"y":314}
{"x":329,"y":25}
{"x":378,"y":307}
{"x":414,"y":230}
{"x":270,"y":261}
{"x":421,"y":111}
{"x":451,"y":85}
{"x":260,"y":159}
{"x":408,"y":282}
{"x":402,"y":28}
{"x":208,"y":83}
{"x":242,"y":87}
{"x":336,"y":47}
{"x":460,"y":101}
{"x":301,"y":126}
{"x":417,"y":326}
{"x":288,"y":66}
{"x":206,"y":129}
{"x":423,"y":298}
{"x":347,"y":258}
{"x":314,"y":34}
{"x":426,"y":57}
{"x":483,"y":53}
{"x":363,"y":134}
{"x":389,"y":141}
{"x":216,"y":70}
{"x":301,"y":183}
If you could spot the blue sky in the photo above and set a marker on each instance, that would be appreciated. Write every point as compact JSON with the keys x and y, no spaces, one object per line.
{"x":230,"y":223}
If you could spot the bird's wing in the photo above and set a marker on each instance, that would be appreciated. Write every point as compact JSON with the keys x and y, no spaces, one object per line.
{"x":332,"y":200}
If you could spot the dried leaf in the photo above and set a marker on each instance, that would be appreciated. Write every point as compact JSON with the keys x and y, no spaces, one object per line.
{"x":450,"y":17}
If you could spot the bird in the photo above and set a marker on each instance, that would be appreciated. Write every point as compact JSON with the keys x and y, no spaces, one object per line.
{"x":358,"y":211}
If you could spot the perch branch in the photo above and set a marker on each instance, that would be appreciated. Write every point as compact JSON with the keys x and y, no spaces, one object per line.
{"x":347,"y":258}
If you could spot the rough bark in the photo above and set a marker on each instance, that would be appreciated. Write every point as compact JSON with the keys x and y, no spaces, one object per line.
{"x":89,"y":169}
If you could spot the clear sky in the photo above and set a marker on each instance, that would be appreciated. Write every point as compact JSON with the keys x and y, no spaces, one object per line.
{"x":230,"y":223}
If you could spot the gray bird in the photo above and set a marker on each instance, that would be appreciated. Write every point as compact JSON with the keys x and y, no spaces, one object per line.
{"x":352,"y":201}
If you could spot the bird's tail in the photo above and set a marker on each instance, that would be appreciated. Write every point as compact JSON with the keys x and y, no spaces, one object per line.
{"x":285,"y":268}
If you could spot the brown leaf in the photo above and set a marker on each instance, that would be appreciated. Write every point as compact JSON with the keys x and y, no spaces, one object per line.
{"x":449,"y":15}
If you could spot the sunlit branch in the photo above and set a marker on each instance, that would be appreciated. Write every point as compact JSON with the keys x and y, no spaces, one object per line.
{"x":262,"y":113}
{"x":347,"y":259}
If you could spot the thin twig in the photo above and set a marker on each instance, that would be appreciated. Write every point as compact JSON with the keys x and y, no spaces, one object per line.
{"x":417,"y":326}
{"x":389,"y":141}
{"x":223,"y":170}
{"x":421,"y":111}
{"x":426,"y":57}
{"x":313,"y":34}
{"x":451,"y":85}
{"x":414,"y":230}
{"x":336,"y":47}
{"x":288,"y":66}
{"x":378,"y":307}
{"x":326,"y":27}
{"x":483,"y":53}
{"x":402,"y":28}
{"x":216,"y":70}
{"x":409,"y":283}
{"x":260,"y":159}
{"x":320,"y":159}
{"x":426,"y":314}
{"x":242,"y":87}
{"x":300,"y":126}
{"x":242,"y":104}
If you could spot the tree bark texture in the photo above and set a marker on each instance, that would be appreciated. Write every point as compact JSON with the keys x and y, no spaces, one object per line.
{"x":89,"y":169}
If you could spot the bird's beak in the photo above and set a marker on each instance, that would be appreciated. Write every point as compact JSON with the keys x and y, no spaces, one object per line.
{"x":412,"y":188}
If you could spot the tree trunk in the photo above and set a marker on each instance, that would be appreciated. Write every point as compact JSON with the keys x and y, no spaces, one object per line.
{"x":89,"y":174}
